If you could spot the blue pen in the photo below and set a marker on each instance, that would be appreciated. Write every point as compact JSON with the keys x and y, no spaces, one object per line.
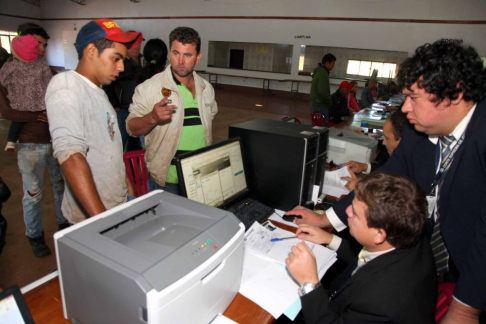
{"x":339,"y":166}
{"x":283,"y":238}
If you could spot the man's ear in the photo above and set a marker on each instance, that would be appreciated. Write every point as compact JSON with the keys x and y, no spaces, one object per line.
{"x":90,"y":51}
{"x":380,"y":236}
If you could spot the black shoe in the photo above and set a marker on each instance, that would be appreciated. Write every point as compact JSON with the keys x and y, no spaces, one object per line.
{"x":39,"y":246}
{"x":62,"y":226}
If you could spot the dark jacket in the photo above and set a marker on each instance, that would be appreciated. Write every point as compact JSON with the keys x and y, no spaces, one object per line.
{"x":339,"y":107}
{"x":120,"y":92}
{"x":397,"y":287}
{"x":462,"y":200}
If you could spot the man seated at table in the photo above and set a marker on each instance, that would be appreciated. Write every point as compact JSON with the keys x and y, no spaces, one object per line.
{"x":392,"y":134}
{"x":372,"y":93}
{"x":392,"y":279}
{"x":339,"y":108}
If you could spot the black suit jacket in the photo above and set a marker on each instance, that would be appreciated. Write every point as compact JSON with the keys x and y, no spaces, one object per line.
{"x":397,"y":287}
{"x":462,"y":201}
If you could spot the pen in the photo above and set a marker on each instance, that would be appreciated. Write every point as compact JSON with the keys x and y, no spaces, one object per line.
{"x":340,"y":165}
{"x":283,"y":238}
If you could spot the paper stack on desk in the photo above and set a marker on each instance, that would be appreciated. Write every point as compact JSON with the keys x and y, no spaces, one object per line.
{"x":265,"y":279}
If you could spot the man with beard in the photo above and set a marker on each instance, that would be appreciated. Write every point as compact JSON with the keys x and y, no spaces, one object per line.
{"x":173,"y":110}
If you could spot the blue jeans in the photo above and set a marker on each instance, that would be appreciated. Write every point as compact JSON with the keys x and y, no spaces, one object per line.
{"x":324,"y":111}
{"x":169,"y":187}
{"x":32,"y":160}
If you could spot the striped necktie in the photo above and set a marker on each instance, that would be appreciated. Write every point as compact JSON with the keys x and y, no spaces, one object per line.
{"x":439,"y":249}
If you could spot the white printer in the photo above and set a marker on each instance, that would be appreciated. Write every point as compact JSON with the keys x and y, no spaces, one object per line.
{"x":347,"y":145}
{"x":160,"y":258}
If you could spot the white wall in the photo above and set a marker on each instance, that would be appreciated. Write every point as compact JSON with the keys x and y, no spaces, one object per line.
{"x":368,"y":35}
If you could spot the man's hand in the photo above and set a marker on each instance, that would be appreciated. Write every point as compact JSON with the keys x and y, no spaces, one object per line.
{"x":162,"y":111}
{"x":356,"y":167}
{"x":309,"y":217}
{"x":42,"y":117}
{"x":301,"y":263}
{"x":460,"y":313}
{"x":313,"y":234}
{"x":351,"y":181}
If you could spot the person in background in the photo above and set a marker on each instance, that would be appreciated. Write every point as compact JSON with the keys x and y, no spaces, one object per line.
{"x":173,"y":110}
{"x":34,"y":154}
{"x":372,"y":93}
{"x":26,"y":79}
{"x":155,"y":54}
{"x":120,"y":91}
{"x":352,"y":102}
{"x":393,"y":278}
{"x":339,"y":108}
{"x":392,"y":134}
{"x":320,"y":93}
{"x":83,"y":123}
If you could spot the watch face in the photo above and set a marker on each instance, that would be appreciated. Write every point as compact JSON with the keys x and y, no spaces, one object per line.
{"x":306,"y":288}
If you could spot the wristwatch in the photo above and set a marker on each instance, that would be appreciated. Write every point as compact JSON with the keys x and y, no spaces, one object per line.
{"x":307,"y":287}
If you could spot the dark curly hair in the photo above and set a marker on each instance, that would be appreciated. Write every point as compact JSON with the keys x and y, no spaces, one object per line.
{"x":186,"y":35}
{"x":440,"y":67}
{"x":395,"y":204}
{"x":155,"y":55}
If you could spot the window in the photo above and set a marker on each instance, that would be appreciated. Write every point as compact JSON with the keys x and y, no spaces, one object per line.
{"x":302,"y":58}
{"x":366,"y":68}
{"x":6,"y":39}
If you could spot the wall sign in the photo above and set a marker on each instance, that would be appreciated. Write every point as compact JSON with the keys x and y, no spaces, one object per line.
{"x":302,"y":36}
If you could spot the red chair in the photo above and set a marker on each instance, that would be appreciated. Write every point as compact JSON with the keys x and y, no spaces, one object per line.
{"x":317,"y":119}
{"x":136,"y":170}
{"x":444,"y":300}
{"x":290,"y":118}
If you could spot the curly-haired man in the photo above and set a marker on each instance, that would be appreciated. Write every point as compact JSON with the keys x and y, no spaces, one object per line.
{"x":445,"y":85}
{"x":174,"y":110}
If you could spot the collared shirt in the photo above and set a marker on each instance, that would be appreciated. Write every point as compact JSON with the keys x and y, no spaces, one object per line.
{"x":365,"y":256}
{"x":338,"y":225}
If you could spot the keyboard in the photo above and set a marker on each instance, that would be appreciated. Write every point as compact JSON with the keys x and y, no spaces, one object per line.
{"x":251,"y":210}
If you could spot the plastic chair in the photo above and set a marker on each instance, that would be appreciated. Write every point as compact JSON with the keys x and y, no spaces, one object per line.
{"x":136,"y":170}
{"x":317,"y":119}
{"x":444,"y":300}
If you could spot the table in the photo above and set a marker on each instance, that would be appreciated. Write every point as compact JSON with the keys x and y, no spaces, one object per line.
{"x":45,"y":303}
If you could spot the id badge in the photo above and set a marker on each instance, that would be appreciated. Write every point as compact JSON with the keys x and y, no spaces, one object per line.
{"x":431,"y":202}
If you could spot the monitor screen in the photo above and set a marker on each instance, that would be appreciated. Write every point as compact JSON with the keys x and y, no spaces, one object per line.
{"x":213,"y":175}
{"x":13,"y":308}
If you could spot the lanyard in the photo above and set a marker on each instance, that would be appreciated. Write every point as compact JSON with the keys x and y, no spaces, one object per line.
{"x":446,"y":163}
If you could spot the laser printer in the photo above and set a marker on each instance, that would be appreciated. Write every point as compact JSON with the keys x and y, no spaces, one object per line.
{"x":160,"y":258}
{"x":347,"y":145}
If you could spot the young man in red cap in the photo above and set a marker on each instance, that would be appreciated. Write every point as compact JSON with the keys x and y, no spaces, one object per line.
{"x":120,"y":92}
{"x":339,"y":99}
{"x":83,"y":124}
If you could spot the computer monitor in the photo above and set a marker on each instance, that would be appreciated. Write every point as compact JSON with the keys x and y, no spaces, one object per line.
{"x":13,"y":308}
{"x":213,"y":175}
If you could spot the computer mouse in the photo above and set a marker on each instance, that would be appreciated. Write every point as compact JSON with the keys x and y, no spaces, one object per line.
{"x":290,"y":218}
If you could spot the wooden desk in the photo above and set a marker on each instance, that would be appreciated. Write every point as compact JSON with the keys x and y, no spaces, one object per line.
{"x":45,"y":303}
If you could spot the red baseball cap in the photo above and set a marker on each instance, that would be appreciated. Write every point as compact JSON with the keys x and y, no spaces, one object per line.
{"x":138,"y":41}
{"x":103,"y":28}
{"x":345,"y":84}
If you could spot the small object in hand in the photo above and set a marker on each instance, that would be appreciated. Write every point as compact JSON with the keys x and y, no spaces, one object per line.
{"x":166,"y":94}
{"x":290,"y":218}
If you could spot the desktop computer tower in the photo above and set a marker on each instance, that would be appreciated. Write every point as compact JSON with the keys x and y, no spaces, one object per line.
{"x":283,"y":161}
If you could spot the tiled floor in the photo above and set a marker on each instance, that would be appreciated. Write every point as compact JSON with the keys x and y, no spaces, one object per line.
{"x":17,"y":263}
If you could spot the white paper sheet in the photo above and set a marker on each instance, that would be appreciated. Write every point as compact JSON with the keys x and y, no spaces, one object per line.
{"x":333,"y":185}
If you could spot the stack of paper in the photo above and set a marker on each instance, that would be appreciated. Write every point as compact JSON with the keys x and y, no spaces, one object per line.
{"x":333,"y":185}
{"x":265,"y":279}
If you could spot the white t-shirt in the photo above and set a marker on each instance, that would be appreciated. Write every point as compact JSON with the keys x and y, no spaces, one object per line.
{"x":82,"y":120}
